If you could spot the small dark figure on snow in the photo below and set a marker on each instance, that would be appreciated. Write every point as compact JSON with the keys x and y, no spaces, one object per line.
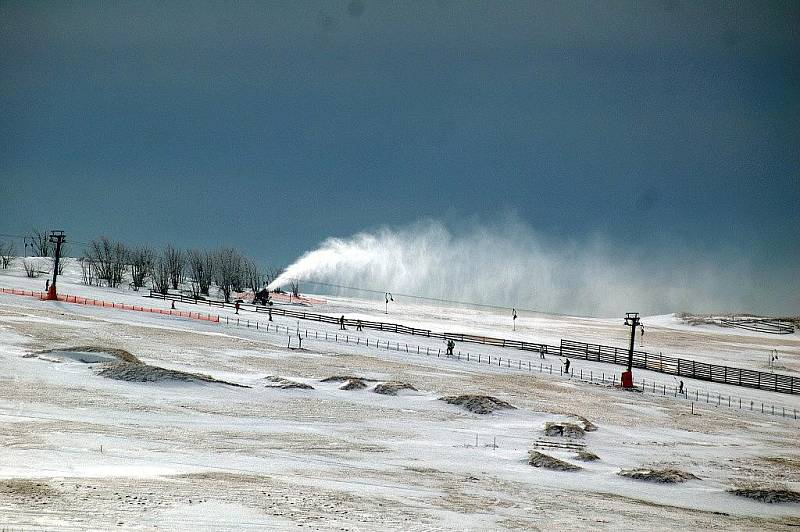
{"x":269,"y":311}
{"x":566,"y":365}
{"x":341,"y":323}
{"x":450,"y":346}
{"x":680,"y":387}
{"x":237,"y":307}
{"x":47,"y":285}
{"x":359,"y":327}
{"x":542,"y":351}
{"x":173,"y":304}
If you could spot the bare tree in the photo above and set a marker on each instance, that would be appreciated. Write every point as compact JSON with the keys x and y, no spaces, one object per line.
{"x":31,"y":267}
{"x":141,"y":261}
{"x":160,"y":276}
{"x":252,"y":276}
{"x":227,"y":271}
{"x":88,"y":271}
{"x":294,"y":286}
{"x":40,"y":243}
{"x":201,"y":268}
{"x":6,"y":254}
{"x":108,"y":259}
{"x":175,"y":264}
{"x":271,"y":273}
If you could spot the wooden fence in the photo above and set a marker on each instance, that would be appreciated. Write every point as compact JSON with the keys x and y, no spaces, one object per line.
{"x":610,"y":355}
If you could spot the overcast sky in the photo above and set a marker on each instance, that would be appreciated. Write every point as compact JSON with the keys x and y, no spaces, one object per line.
{"x":273,"y":125}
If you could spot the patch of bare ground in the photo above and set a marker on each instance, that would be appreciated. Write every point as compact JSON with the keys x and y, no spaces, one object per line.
{"x":26,"y":487}
{"x":664,"y":476}
{"x":393,"y":387}
{"x":478,"y":404}
{"x":286,"y":384}
{"x":769,"y":495}
{"x":121,"y":354}
{"x":563,"y":429}
{"x":545,"y":461}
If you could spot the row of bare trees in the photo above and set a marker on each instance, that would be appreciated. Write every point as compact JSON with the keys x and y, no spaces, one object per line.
{"x":106,"y":261}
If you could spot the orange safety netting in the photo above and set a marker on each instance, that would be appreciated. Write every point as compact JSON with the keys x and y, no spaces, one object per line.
{"x":108,"y":304}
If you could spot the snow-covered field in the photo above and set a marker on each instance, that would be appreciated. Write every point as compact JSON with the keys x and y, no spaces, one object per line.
{"x":80,"y":450}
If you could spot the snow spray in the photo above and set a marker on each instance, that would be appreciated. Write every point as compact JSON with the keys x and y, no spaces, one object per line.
{"x":509,"y":264}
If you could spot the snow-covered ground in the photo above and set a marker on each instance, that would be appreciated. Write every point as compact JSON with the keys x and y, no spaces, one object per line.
{"x":83,"y":451}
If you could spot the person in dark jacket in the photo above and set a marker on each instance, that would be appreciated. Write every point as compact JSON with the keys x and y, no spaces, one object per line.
{"x":341,"y":323}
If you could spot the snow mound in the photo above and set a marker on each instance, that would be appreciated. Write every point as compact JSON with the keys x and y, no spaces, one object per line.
{"x":666,"y":476}
{"x":567,"y":430}
{"x":767,"y":495}
{"x":545,"y":461}
{"x":478,"y":404}
{"x":392,"y":387}
{"x":286,"y":384}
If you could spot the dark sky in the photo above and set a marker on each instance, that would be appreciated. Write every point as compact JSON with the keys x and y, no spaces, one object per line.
{"x":272,"y":125}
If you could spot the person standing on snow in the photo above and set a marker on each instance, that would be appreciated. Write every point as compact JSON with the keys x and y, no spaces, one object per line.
{"x":341,"y":323}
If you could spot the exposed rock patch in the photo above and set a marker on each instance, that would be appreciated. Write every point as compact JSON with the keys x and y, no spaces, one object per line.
{"x":478,"y":404}
{"x":563,"y":429}
{"x":767,"y":495}
{"x":343,"y":378}
{"x":587,"y":456}
{"x":545,"y":461}
{"x":353,"y":384}
{"x":666,"y":476}
{"x":119,"y":364}
{"x":123,"y":371}
{"x":286,"y":384}
{"x":392,"y":387}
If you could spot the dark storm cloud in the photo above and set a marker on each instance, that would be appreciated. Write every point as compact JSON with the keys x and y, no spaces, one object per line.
{"x":677,"y":121}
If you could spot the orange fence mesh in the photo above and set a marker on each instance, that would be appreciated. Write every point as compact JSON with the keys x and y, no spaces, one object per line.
{"x":108,"y":304}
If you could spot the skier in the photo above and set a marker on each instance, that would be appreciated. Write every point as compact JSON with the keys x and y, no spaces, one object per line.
{"x":680,"y":387}
{"x":270,"y":310}
{"x":341,"y":323}
{"x":450,"y":346}
{"x":542,"y":351}
{"x":514,"y":318}
{"x":566,"y":365}
{"x":359,"y":327}
{"x":47,"y":285}
{"x":237,"y":307}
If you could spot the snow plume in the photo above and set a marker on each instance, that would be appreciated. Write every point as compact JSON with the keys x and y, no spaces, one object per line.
{"x":510,"y":264}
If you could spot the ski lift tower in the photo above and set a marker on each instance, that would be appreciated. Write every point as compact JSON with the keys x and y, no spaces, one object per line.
{"x":57,"y":238}
{"x":632,"y":321}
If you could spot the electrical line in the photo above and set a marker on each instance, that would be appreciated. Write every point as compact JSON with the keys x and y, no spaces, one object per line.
{"x":427,"y":298}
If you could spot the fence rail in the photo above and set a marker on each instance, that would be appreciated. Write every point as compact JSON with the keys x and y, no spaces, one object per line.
{"x":766,"y":325}
{"x":611,"y":355}
{"x":681,"y":367}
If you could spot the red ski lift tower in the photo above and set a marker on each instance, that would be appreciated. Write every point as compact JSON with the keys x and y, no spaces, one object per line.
{"x":57,"y":238}
{"x":632,"y":321}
